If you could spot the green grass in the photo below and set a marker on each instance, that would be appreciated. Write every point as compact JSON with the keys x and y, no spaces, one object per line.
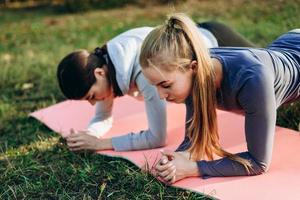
{"x":33,"y":162}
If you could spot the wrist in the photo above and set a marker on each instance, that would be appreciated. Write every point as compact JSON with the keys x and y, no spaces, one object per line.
{"x":105,"y":144}
{"x":193,"y":169}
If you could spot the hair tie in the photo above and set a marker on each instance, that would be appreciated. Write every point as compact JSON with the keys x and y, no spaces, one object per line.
{"x":172,"y":24}
{"x":99,"y":52}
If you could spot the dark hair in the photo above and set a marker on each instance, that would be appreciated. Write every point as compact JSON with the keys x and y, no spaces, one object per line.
{"x":75,"y":73}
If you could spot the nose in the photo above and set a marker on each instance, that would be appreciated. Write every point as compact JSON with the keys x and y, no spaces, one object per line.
{"x":92,"y":102}
{"x":162,"y":94}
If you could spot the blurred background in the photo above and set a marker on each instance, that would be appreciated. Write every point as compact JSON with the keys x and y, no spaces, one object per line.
{"x":36,"y":34}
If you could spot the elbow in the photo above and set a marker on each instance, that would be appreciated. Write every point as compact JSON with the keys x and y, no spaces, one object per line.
{"x":260,"y":168}
{"x":265,"y":168}
{"x":159,"y":140}
{"x":162,"y":143}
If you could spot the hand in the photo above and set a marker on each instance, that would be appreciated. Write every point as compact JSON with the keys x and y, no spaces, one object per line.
{"x":81,"y":140}
{"x":174,"y":166}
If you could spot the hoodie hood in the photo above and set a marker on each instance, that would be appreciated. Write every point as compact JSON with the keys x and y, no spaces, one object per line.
{"x":124,"y":51}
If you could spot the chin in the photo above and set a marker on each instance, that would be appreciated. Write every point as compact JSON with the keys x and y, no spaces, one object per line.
{"x":177,"y":101}
{"x":180,"y":101}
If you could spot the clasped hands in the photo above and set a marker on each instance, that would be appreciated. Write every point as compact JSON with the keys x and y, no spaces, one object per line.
{"x":174,"y":166}
{"x":82,"y":140}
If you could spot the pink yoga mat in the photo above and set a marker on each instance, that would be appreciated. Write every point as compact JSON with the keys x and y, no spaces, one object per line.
{"x":282,"y":181}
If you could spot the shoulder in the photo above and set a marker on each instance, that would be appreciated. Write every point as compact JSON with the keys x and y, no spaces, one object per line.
{"x":234,"y":55}
{"x":240,"y":66}
{"x":257,"y":89}
{"x":127,"y":45}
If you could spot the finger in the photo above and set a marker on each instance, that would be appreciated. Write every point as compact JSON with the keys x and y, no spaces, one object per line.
{"x":75,"y":144}
{"x":76,"y":134}
{"x":163,"y":160}
{"x":161,"y":168}
{"x":170,"y":154}
{"x":160,"y":179}
{"x":171,"y":177}
{"x":173,"y":180}
{"x":75,"y":137}
{"x":72,"y":131}
{"x":72,"y":140}
{"x":166,"y":172}
{"x":76,"y":149}
{"x":82,"y":131}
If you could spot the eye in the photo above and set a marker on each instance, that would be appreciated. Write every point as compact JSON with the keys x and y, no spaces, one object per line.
{"x":166,"y":86}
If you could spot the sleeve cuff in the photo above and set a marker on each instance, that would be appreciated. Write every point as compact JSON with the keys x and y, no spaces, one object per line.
{"x":202,"y":167}
{"x":121,"y":143}
{"x":99,"y":129}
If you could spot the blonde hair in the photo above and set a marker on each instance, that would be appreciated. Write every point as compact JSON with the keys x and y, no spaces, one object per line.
{"x":173,"y":46}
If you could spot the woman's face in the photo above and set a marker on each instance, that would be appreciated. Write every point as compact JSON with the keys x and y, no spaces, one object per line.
{"x":174,"y":86}
{"x":101,"y":89}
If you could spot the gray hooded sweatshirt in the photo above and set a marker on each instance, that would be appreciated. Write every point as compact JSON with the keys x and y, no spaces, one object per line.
{"x":124,"y":52}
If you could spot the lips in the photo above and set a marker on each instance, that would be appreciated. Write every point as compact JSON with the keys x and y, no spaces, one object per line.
{"x":171,"y":100}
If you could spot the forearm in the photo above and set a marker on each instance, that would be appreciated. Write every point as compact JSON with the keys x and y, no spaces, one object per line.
{"x":138,"y":141}
{"x":104,"y":144}
{"x":226,"y":167}
{"x":155,"y":135}
{"x":102,"y":120}
{"x":193,"y":169}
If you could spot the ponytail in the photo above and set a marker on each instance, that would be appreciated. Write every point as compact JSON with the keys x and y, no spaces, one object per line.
{"x":173,"y":46}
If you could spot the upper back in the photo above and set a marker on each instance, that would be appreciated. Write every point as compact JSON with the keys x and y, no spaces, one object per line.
{"x":269,"y":67}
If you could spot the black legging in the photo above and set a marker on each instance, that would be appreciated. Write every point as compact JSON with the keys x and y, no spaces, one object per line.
{"x":225,"y":35}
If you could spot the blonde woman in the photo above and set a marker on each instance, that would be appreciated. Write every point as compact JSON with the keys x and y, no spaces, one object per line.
{"x":251,"y":81}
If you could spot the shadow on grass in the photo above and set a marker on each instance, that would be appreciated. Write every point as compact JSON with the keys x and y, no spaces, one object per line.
{"x":67,"y":7}
{"x":56,"y":173}
{"x":22,"y":131}
{"x":16,"y":127}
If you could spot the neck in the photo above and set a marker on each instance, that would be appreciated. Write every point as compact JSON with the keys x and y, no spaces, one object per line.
{"x":218,"y":72}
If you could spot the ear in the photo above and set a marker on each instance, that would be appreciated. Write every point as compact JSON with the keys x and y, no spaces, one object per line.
{"x":99,"y":72}
{"x":194,"y":66}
